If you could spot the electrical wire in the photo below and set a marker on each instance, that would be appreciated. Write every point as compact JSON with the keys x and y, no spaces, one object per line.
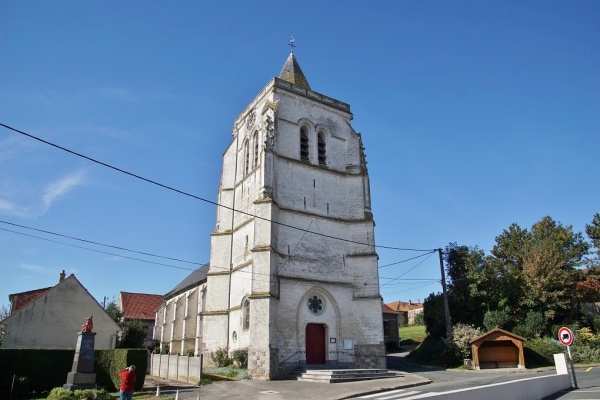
{"x":406,"y":272}
{"x":131,"y":174}
{"x":99,"y":244}
{"x":408,"y":259}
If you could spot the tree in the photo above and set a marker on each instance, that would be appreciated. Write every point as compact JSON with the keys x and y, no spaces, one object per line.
{"x":550,"y":254}
{"x":133,"y":335}
{"x":115,"y":313}
{"x":4,"y":312}
{"x":593,"y":232}
{"x":433,"y":315}
{"x":467,"y":289}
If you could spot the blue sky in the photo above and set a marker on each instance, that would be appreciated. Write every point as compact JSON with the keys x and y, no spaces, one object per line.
{"x":474,"y":115}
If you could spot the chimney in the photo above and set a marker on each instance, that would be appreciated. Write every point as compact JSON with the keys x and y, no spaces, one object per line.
{"x":62,"y":276}
{"x":409,"y":302}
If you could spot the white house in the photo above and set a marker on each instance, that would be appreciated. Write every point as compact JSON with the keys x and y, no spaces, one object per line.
{"x":51,"y":318}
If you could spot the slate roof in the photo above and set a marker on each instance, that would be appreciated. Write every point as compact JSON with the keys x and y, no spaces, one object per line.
{"x":140,"y":305}
{"x":292,"y":73}
{"x":193,"y":279}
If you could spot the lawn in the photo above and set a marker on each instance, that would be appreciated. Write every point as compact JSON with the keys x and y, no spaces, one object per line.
{"x":412,"y":334}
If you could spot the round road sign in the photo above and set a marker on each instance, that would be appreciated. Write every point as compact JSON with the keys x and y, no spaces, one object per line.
{"x":565,"y":336}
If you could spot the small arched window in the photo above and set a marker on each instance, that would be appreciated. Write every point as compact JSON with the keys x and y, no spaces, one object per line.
{"x":322,"y":149}
{"x":246,"y":156}
{"x":255,"y":140}
{"x":246,"y":314}
{"x":304,"y":154}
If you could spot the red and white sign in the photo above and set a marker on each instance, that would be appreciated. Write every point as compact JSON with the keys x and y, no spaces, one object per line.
{"x":565,"y":336}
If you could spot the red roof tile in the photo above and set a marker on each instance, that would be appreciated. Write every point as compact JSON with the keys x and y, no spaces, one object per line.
{"x":140,"y":305}
{"x":404,"y":306}
{"x":19,"y":300}
{"x":387,"y":310}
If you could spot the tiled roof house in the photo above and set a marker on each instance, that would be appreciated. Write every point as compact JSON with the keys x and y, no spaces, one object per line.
{"x":406,"y":310}
{"x":141,"y":306}
{"x":51,"y":318}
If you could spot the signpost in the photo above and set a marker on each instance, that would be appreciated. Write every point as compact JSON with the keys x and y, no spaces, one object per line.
{"x":566,"y":337}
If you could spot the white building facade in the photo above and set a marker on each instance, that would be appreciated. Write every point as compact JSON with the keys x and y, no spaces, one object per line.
{"x":293,"y":269}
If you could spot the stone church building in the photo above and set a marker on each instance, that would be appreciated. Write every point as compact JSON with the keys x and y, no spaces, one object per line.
{"x":293,"y":271}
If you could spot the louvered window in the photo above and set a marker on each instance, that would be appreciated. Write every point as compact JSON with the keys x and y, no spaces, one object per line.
{"x":246,"y":157}
{"x":322,"y":149}
{"x":304,"y":154}
{"x":255,"y":139}
{"x":246,"y":314}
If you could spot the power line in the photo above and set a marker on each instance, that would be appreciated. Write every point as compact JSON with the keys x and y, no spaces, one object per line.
{"x":406,"y":272}
{"x":164,"y":186}
{"x":97,"y":251}
{"x":408,"y":259}
{"x":100,"y":244}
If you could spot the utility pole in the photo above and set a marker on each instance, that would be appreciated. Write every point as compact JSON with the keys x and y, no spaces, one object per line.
{"x":445,"y":293}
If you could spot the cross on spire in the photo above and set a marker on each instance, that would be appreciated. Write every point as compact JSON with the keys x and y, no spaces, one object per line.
{"x":292,"y":45}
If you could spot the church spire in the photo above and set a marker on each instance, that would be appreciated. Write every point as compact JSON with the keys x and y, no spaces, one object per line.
{"x":291,"y":71}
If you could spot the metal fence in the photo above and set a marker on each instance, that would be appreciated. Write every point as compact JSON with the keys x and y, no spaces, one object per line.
{"x":178,"y":368}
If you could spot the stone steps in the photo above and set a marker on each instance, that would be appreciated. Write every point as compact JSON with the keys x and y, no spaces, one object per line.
{"x":342,"y":375}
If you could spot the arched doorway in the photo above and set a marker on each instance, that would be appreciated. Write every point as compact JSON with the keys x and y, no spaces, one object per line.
{"x":315,"y":344}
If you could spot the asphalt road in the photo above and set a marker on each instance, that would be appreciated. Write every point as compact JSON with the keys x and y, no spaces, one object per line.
{"x":588,"y":385}
{"x":445,"y":380}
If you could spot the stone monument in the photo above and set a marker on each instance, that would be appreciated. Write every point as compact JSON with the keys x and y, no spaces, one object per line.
{"x":82,"y":374}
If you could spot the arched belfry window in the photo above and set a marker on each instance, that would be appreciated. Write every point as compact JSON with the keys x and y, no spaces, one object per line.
{"x":304,"y":142}
{"x":255,"y":141}
{"x":246,"y":314}
{"x":246,"y":156}
{"x":322,"y":149}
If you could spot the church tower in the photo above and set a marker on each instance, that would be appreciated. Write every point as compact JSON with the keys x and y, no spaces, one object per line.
{"x":293,"y":269}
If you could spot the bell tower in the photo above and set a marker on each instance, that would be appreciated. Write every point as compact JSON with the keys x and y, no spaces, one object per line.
{"x":293,"y":270}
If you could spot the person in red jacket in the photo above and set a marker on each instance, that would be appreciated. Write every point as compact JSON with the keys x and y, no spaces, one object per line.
{"x":127,"y":381}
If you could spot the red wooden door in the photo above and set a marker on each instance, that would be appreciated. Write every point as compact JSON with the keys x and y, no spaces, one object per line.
{"x":315,"y":344}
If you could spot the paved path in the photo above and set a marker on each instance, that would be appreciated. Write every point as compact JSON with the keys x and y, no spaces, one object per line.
{"x":250,"y":389}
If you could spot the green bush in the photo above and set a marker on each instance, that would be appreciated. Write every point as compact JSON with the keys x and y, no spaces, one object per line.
{"x":63,"y":394}
{"x":497,"y":318}
{"x":240,"y":357}
{"x":586,"y":354}
{"x":540,"y":352}
{"x":534,"y":326}
{"x":419,"y":319}
{"x":462,"y":335}
{"x":37,"y":371}
{"x":220,"y":357}
{"x":429,"y":352}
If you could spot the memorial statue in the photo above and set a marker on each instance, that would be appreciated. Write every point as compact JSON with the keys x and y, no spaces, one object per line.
{"x":88,"y":325}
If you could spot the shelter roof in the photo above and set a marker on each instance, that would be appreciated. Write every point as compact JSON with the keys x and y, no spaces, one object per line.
{"x":497,"y":334}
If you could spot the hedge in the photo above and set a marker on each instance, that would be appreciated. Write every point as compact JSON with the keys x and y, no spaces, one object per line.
{"x":36,"y":371}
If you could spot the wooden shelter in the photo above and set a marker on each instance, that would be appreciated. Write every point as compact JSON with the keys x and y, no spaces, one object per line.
{"x":498,"y":349}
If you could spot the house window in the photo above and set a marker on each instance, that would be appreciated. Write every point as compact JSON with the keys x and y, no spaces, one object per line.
{"x":246,"y":156}
{"x":246,"y":314}
{"x":304,"y":143}
{"x":255,"y":140}
{"x":322,"y":149}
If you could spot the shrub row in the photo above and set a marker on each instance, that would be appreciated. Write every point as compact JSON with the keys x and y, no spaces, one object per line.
{"x":37,"y":371}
